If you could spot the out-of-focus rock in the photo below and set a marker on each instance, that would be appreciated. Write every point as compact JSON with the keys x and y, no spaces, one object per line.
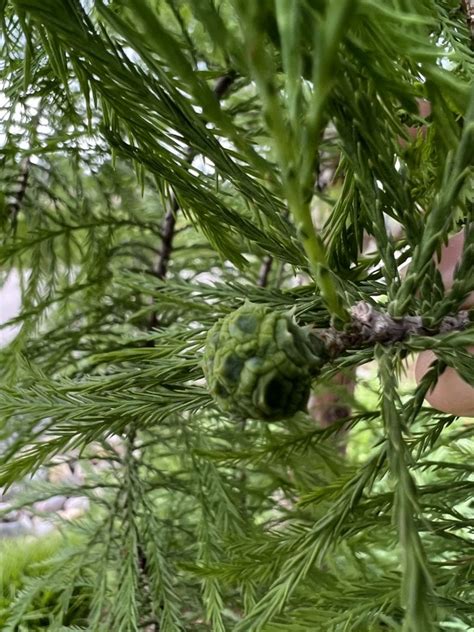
{"x":41,"y":527}
{"x":61,"y":473}
{"x":79,"y":474}
{"x":74,"y":508}
{"x":50,"y":505}
{"x":22,"y":526}
{"x":7,"y":514}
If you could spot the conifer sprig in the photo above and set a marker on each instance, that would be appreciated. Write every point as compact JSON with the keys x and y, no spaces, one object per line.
{"x":198,"y":522}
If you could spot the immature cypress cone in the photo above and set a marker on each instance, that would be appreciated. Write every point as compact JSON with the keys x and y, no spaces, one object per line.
{"x":259,"y":363}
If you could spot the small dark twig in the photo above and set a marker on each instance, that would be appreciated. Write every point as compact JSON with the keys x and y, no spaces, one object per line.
{"x":18,"y":196}
{"x":152,"y":624}
{"x":168,"y":230}
{"x":143,"y":567}
{"x":468,"y":6}
{"x":264,"y":272}
{"x":224,"y":83}
{"x":15,"y":205}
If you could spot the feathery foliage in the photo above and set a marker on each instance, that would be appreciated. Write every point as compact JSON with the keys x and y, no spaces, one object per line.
{"x":164,"y":161}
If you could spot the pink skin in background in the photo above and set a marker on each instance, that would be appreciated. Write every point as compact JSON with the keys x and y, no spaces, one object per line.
{"x":424,"y":110}
{"x":450,"y":257}
{"x":451,"y":394}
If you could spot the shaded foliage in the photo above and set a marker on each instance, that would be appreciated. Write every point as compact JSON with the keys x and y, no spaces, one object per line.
{"x":110,"y":118}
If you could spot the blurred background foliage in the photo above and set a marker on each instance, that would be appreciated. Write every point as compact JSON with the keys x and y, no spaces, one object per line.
{"x":162,"y":161}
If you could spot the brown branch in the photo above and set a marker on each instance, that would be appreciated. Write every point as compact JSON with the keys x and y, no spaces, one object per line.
{"x":331,"y":402}
{"x":468,"y":7}
{"x":167,"y":234}
{"x":370,"y":327}
{"x":143,"y":568}
{"x":18,"y":196}
{"x":223,"y":84}
{"x":152,"y":625}
{"x":264,"y":271}
{"x":14,"y":207}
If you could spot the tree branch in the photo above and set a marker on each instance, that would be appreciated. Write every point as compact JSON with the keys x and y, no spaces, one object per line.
{"x":468,"y":6}
{"x":369,"y":327}
{"x":18,"y":196}
{"x":264,"y":271}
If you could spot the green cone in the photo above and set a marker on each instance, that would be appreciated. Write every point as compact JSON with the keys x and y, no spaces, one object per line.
{"x":259,"y":363}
